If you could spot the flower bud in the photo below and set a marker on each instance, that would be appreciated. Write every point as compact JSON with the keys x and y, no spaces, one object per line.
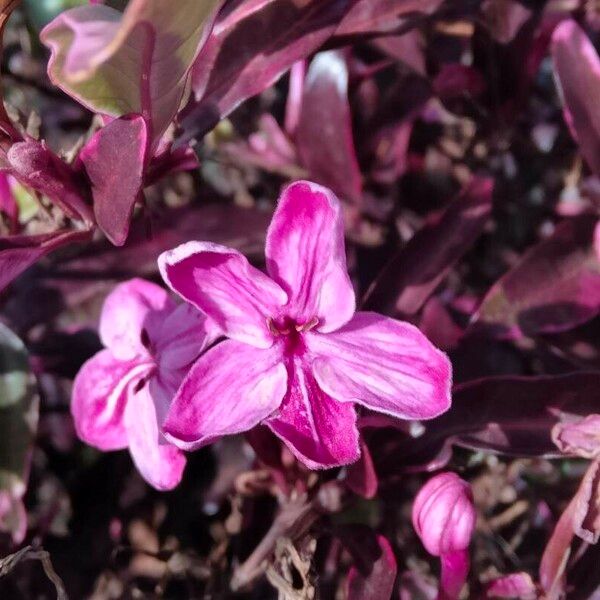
{"x":444,"y":515}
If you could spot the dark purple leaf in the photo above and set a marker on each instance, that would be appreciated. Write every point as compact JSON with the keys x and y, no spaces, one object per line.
{"x":455,"y":80}
{"x":114,"y":162}
{"x":407,"y":48}
{"x":504,"y":18}
{"x":361,"y":477}
{"x":577,"y":68}
{"x":241,"y":228}
{"x":556,"y":554}
{"x":169,"y":162}
{"x":252,"y":44}
{"x":383,"y":16}
{"x":36,"y":166}
{"x":415,"y":272}
{"x":555,"y":286}
{"x":373,"y":576}
{"x":510,"y":415}
{"x":324,"y":132}
{"x":8,"y":204}
{"x":268,"y":148}
{"x":17,"y":253}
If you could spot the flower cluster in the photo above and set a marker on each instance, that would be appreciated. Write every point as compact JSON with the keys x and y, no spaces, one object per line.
{"x":296,"y":357}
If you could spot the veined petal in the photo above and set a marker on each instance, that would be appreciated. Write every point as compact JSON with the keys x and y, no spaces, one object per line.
{"x":162,"y":390}
{"x":99,"y":399}
{"x":231,"y":388}
{"x":161,"y":465}
{"x":386,"y":365}
{"x":320,"y":431}
{"x":184,"y":334}
{"x":226,"y":287}
{"x":306,"y":256}
{"x":133,"y":306}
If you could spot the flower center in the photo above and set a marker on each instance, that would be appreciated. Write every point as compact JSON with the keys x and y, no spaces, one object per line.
{"x":290,"y":332}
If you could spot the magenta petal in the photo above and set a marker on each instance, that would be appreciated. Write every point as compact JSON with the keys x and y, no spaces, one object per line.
{"x":231,"y":388}
{"x":224,"y":285}
{"x":184,"y":335}
{"x":306,"y":256}
{"x":386,"y":365}
{"x":161,"y":465}
{"x":320,"y":431}
{"x":99,"y":399}
{"x":128,"y":310}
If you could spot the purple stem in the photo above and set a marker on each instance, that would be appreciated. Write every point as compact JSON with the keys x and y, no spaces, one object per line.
{"x":455,"y":567}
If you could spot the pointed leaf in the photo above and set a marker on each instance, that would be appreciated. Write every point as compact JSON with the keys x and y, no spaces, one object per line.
{"x":555,"y":287}
{"x":38,"y":167}
{"x":19,"y":252}
{"x":252,"y":45}
{"x":374,"y":580}
{"x":132,"y":62}
{"x":324,"y":132}
{"x":510,"y":415}
{"x":577,"y":69}
{"x":383,"y":16}
{"x":413,"y":274}
{"x":114,"y":162}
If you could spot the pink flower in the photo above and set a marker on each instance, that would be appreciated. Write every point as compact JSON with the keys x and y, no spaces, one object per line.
{"x":298,"y":357}
{"x":122,"y":394}
{"x":444,"y":518}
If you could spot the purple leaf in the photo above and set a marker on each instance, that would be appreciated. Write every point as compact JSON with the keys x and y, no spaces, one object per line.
{"x":114,"y":161}
{"x":515,"y":415}
{"x":252,"y":45}
{"x":324,"y":132}
{"x":268,"y":148}
{"x":383,"y":16}
{"x":510,"y":415}
{"x":133,"y":62}
{"x":455,"y":80}
{"x":34,"y":165}
{"x":361,"y":477}
{"x":415,"y":272}
{"x":242,"y":228}
{"x":555,"y":286}
{"x":376,"y":582}
{"x":504,"y":18}
{"x":577,"y":68}
{"x":556,"y":554}
{"x":8,"y":205}
{"x":17,"y":253}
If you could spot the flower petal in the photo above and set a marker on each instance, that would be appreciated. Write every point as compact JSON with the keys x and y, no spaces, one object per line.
{"x":320,"y":431}
{"x":306,"y":256}
{"x":129,"y":309}
{"x":224,"y":285}
{"x":184,"y":334}
{"x":386,"y":365}
{"x":161,"y":465}
{"x":231,"y":388}
{"x":99,"y":399}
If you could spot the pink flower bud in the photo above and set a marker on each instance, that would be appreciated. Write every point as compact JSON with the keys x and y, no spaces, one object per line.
{"x":444,"y":515}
